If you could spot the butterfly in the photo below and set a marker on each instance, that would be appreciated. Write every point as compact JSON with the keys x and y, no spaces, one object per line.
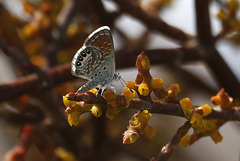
{"x":95,"y":61}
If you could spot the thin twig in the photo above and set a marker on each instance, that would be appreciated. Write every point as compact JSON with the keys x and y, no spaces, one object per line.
{"x":168,"y":149}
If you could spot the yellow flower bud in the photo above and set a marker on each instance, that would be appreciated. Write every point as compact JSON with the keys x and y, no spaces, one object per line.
{"x":131,"y":84}
{"x":69,"y":103}
{"x":149,"y":131}
{"x":96,"y":110}
{"x":143,"y":89}
{"x":109,"y":95}
{"x":129,"y":95}
{"x":216,"y":136}
{"x":216,"y":100}
{"x":157,"y":83}
{"x":144,"y":116}
{"x":206,"y":109}
{"x":175,"y":88}
{"x":73,"y":118}
{"x":196,"y":122}
{"x":187,"y":106}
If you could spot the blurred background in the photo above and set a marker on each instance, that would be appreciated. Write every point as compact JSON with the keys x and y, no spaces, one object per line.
{"x":48,"y":37}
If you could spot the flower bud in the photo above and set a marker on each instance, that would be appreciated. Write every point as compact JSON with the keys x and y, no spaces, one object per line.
{"x":129,"y":95}
{"x":143,"y":89}
{"x":187,"y":106}
{"x":206,"y":109}
{"x":149,"y":131}
{"x":157,"y":83}
{"x":73,"y":118}
{"x":96,"y":110}
{"x":69,"y":103}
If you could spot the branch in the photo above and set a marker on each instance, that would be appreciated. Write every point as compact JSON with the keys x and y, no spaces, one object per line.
{"x":233,"y":115}
{"x":203,"y":23}
{"x":168,"y":149}
{"x":152,"y":21}
{"x":35,"y":82}
{"x":157,"y":107}
{"x":221,"y":70}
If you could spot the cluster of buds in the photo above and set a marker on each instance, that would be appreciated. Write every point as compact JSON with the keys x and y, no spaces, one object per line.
{"x":223,"y":100}
{"x":145,"y":84}
{"x":205,"y":127}
{"x":137,"y":126}
{"x":114,"y":104}
{"x":117,"y":103}
{"x":229,"y":19}
{"x":74,"y":110}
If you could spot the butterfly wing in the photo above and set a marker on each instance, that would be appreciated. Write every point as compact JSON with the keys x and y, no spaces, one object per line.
{"x":101,"y":38}
{"x":96,"y":59}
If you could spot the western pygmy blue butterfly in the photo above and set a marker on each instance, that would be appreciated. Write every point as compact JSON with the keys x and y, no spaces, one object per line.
{"x":95,"y":60}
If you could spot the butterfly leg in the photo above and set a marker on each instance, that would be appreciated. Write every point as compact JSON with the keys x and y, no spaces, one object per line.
{"x":87,"y":86}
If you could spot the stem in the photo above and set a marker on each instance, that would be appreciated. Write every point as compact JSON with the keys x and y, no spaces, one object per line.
{"x":169,"y":148}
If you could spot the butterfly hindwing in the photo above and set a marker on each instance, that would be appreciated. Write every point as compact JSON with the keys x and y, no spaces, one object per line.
{"x":86,"y":62}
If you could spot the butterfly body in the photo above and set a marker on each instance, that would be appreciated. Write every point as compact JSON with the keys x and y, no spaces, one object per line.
{"x":95,"y":60}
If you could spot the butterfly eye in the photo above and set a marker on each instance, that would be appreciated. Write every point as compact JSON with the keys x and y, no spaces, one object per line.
{"x":83,"y":54}
{"x":104,"y":68}
{"x":88,"y":52}
{"x":80,"y":58}
{"x":79,"y":63}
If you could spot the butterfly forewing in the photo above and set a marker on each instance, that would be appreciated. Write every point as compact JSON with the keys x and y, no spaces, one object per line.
{"x":101,"y":39}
